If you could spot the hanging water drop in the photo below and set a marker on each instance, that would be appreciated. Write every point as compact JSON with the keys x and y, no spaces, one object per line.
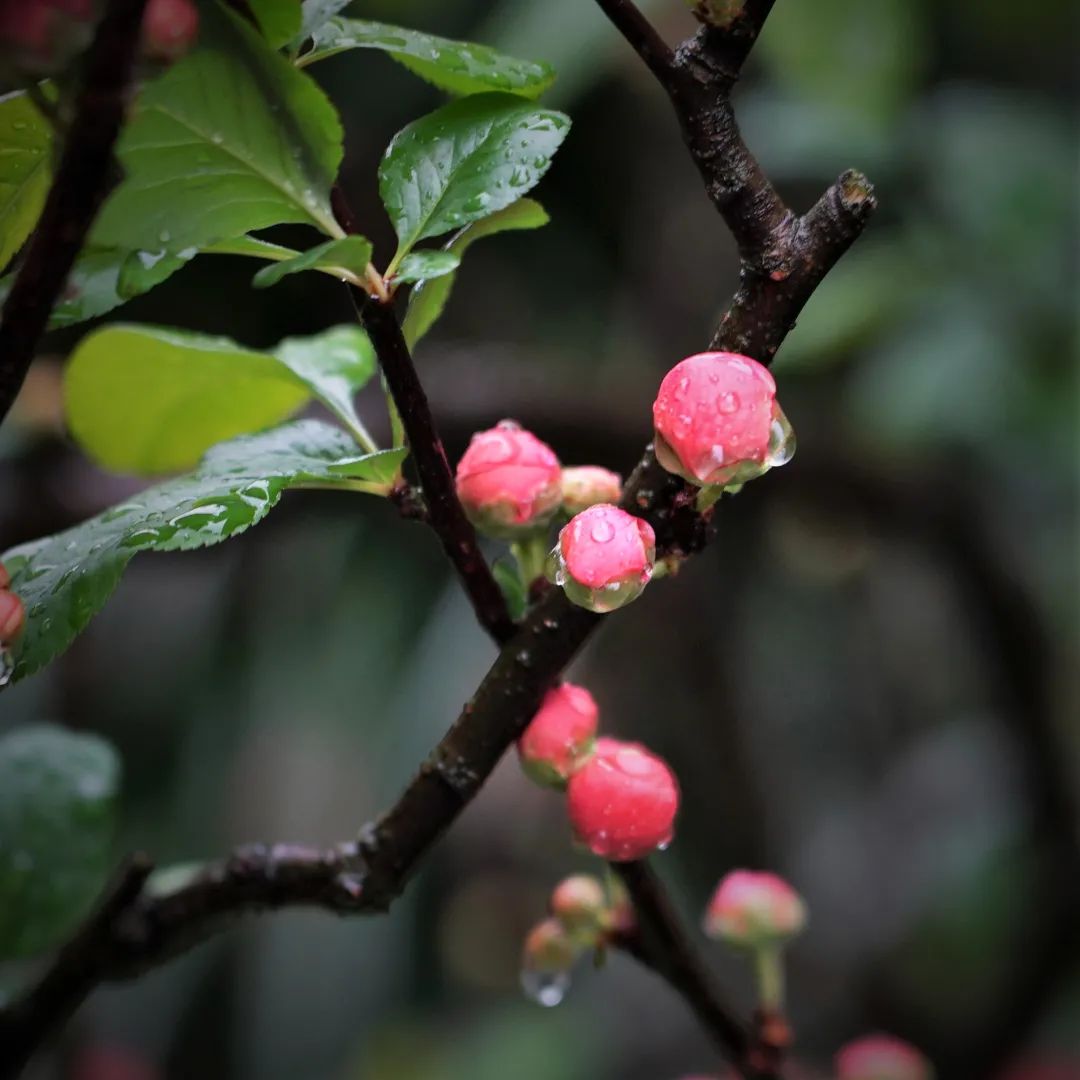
{"x":546,"y":988}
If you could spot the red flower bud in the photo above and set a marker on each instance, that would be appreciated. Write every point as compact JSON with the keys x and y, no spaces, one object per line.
{"x":5,"y":577}
{"x":508,"y":481}
{"x":622,"y":802}
{"x":549,"y":948}
{"x":559,"y":736}
{"x":580,"y":904}
{"x":881,"y":1057}
{"x":753,"y":909}
{"x":717,"y":421}
{"x":604,"y":558}
{"x":169,"y":28}
{"x":12,"y":617}
{"x":586,"y":485}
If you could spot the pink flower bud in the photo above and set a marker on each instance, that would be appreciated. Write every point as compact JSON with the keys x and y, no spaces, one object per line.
{"x":586,"y":485}
{"x":622,"y":802}
{"x":752,"y":910}
{"x":549,"y":948}
{"x":559,"y":736}
{"x":12,"y":617}
{"x":580,"y":904}
{"x":169,"y":28}
{"x":717,"y":421}
{"x":508,"y":481}
{"x":881,"y":1057}
{"x":604,"y":558}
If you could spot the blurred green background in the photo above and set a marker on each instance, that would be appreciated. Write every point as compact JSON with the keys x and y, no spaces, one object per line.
{"x":868,"y":684}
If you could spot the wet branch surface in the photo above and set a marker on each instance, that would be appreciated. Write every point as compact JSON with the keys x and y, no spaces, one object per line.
{"x":784,"y":257}
{"x":83,"y":179}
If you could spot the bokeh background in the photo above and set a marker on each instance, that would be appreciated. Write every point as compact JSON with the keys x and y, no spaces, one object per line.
{"x":869,"y":683}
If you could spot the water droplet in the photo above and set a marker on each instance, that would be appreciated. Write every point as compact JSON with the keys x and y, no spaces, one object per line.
{"x":781,"y":440}
{"x":602,"y":531}
{"x":728,"y":402}
{"x":547,"y":988}
{"x":7,"y":666}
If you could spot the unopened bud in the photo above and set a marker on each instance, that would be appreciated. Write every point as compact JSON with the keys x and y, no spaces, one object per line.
{"x":881,"y":1057}
{"x":604,"y":558}
{"x":754,"y":910}
{"x":580,"y":904}
{"x":717,"y":421}
{"x":586,"y":485}
{"x":508,"y":481}
{"x":559,"y":736}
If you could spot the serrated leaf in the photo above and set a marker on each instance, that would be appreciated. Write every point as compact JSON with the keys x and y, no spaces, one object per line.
{"x":25,"y":171}
{"x":57,"y":818}
{"x":149,"y":400}
{"x":458,"y":67}
{"x":421,"y":265}
{"x":352,"y":254}
{"x":65,"y":579}
{"x":429,"y":297}
{"x":279,"y":20}
{"x":232,"y":138}
{"x":463,"y":162}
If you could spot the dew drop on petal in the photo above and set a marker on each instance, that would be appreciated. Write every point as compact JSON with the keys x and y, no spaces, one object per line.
{"x":602,"y":531}
{"x":728,"y":402}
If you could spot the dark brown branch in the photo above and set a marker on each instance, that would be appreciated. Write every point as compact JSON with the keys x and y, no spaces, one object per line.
{"x":73,"y":974}
{"x":444,"y":512}
{"x":82,"y":182}
{"x":642,"y":36}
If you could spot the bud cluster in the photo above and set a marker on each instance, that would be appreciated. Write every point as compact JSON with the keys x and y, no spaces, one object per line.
{"x":585,"y":915}
{"x":621,"y":798}
{"x":717,"y":424}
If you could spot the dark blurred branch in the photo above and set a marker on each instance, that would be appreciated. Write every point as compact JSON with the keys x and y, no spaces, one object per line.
{"x":82,"y":181}
{"x":444,"y":512}
{"x":784,"y":257}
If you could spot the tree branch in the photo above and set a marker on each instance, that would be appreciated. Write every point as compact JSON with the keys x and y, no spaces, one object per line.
{"x":444,"y":512}
{"x":82,"y":182}
{"x":784,"y":257}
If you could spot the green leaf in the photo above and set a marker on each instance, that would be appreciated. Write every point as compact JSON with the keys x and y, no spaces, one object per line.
{"x":351,"y":254}
{"x":25,"y":171}
{"x":421,"y":265}
{"x":250,"y":245}
{"x":231,"y":138}
{"x":57,"y":818}
{"x":314,"y":13}
{"x":95,"y":283}
{"x":279,"y":20}
{"x":429,"y":297}
{"x":104,"y":278}
{"x":458,"y":67}
{"x":150,"y":400}
{"x":334,"y":366}
{"x":463,"y":162}
{"x":65,"y":579}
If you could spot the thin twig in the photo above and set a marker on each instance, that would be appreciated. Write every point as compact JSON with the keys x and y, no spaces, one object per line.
{"x":82,"y":182}
{"x":642,"y":36}
{"x":444,"y":511}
